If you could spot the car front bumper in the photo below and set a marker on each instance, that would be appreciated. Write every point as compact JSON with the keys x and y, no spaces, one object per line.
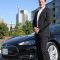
{"x":9,"y":51}
{"x":12,"y":51}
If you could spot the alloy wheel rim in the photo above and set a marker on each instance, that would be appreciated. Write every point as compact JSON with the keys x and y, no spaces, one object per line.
{"x":53,"y":53}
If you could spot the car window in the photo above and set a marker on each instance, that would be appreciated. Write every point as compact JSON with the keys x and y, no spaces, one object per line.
{"x":55,"y":30}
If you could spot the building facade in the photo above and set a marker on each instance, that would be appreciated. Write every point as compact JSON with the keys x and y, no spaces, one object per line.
{"x":21,"y":17}
{"x":55,"y":10}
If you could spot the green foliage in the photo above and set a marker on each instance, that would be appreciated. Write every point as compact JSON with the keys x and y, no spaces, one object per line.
{"x":3,"y":30}
{"x":18,"y":30}
{"x":23,"y":30}
{"x":28,"y":27}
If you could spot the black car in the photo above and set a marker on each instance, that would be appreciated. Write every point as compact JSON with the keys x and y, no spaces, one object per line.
{"x":24,"y":46}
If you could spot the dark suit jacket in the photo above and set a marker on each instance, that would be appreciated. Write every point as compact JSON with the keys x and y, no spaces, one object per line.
{"x":43,"y":22}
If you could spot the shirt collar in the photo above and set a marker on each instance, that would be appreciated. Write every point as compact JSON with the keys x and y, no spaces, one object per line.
{"x":43,"y":7}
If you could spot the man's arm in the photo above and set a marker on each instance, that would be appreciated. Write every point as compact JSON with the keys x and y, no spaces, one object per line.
{"x":47,"y":20}
{"x":34,"y":23}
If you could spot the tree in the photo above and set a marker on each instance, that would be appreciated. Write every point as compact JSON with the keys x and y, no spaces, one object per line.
{"x":28,"y":27}
{"x":18,"y":30}
{"x":3,"y":29}
{"x":10,"y":32}
{"x":23,"y":29}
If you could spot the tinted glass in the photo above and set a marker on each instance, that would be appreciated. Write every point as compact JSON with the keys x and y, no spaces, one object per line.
{"x":55,"y":29}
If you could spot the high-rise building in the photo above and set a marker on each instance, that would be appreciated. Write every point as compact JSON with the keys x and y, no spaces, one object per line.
{"x":22,"y":16}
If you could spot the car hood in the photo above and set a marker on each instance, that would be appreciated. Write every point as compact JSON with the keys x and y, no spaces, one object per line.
{"x":17,"y":40}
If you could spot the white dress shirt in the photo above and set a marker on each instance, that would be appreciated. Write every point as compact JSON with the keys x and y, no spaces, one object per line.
{"x":39,"y":13}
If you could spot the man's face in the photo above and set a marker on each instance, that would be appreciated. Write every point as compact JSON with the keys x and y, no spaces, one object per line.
{"x":41,"y":3}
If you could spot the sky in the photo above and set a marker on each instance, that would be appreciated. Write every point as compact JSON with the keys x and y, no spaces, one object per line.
{"x":8,"y":8}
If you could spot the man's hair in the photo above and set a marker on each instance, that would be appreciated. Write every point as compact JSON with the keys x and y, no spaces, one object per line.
{"x":45,"y":0}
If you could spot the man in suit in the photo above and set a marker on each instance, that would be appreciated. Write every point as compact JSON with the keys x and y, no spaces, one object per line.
{"x":41,"y":23}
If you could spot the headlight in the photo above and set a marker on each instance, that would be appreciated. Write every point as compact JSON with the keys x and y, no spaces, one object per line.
{"x":31,"y":42}
{"x":22,"y":43}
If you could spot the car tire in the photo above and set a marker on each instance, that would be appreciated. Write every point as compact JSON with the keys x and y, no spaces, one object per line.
{"x":53,"y":51}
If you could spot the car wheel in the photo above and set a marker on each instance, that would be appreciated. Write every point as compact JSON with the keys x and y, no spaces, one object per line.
{"x":53,"y":51}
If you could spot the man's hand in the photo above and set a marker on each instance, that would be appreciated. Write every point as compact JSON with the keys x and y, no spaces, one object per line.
{"x":36,"y":30}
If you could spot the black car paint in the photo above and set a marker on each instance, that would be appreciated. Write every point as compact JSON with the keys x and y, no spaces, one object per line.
{"x":31,"y":49}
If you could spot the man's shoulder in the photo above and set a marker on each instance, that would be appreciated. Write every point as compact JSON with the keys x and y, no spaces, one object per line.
{"x":48,"y":9}
{"x":34,"y":11}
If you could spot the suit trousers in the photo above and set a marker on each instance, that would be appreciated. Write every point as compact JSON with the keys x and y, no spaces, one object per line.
{"x":41,"y":44}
